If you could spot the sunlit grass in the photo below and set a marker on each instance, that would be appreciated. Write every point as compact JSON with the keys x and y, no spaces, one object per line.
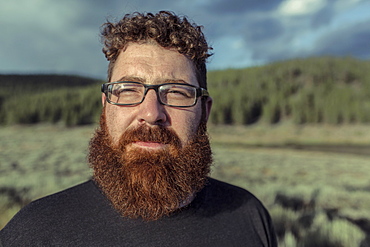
{"x":289,"y":133}
{"x":42,"y":159}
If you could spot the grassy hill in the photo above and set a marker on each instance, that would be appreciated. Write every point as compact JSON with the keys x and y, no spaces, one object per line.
{"x":304,"y":151}
{"x":37,"y":83}
{"x":27,"y":99}
{"x":315,"y":198}
{"x":313,"y":90}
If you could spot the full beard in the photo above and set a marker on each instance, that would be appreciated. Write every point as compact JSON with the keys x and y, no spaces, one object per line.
{"x":149,"y":184}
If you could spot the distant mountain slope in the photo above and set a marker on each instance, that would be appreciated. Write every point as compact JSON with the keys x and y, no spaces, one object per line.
{"x":35,"y":82}
{"x":313,"y":90}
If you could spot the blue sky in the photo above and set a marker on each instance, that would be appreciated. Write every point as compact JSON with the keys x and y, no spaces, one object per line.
{"x":54,"y":36}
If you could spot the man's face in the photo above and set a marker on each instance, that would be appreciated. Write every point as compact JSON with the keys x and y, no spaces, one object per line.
{"x":149,"y":158}
{"x":152,"y":64}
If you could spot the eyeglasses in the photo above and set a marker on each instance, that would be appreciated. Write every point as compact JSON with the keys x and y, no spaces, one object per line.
{"x":170,"y":94}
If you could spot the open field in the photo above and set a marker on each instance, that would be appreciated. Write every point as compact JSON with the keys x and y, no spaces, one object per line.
{"x":315,"y":180}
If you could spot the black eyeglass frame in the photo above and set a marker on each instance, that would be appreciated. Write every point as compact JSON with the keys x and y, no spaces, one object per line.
{"x":200,"y":92}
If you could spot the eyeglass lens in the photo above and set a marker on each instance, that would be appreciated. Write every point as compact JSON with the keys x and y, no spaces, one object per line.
{"x":169,"y":94}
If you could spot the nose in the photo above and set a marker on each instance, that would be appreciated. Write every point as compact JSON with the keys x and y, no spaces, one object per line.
{"x":151,"y":111}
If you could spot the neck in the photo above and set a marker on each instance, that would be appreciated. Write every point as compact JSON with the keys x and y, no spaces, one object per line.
{"x":187,"y":201}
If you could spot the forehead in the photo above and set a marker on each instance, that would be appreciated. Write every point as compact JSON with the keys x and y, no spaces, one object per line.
{"x":153,"y":64}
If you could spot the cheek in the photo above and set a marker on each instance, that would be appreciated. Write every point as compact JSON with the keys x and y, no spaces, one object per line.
{"x":111,"y":124}
{"x":185,"y":123}
{"x":115,"y":123}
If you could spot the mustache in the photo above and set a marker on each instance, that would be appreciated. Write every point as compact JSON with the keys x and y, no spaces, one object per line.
{"x":144,"y":133}
{"x":149,"y":185}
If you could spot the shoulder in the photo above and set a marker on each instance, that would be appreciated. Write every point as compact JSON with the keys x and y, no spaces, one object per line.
{"x":73,"y":196}
{"x":240,"y":208}
{"x":48,"y":214}
{"x":225,"y":193}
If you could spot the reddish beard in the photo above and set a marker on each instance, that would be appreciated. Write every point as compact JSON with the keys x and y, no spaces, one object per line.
{"x":149,"y":184}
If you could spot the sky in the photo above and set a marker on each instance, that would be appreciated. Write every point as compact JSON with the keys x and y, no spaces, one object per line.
{"x":62,"y":36}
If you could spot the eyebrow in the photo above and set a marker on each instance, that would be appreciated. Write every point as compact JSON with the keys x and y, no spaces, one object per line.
{"x":142,"y":80}
{"x":175,"y":81}
{"x":132,"y":78}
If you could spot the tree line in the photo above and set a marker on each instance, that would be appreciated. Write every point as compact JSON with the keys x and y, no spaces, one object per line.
{"x":30,"y":99}
{"x":312,"y":90}
{"x":321,"y":90}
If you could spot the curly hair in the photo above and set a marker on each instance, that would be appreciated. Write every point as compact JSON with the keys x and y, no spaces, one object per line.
{"x":166,"y":29}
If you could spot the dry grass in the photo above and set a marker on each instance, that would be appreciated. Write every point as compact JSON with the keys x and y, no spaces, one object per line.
{"x":287,"y":133}
{"x":42,"y":159}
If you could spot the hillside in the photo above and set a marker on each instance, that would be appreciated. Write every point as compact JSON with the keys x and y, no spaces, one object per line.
{"x":27,"y":99}
{"x":313,"y":90}
{"x":37,"y":83}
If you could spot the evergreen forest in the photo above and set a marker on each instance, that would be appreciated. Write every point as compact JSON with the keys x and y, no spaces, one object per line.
{"x":318,"y":90}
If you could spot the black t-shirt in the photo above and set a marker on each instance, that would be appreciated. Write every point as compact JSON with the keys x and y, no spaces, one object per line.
{"x":220,"y":215}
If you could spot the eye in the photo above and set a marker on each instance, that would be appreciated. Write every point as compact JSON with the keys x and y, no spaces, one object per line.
{"x":180,"y":91}
{"x":125,"y":90}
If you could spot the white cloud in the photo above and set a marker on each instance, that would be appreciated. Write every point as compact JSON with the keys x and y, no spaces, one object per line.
{"x":300,"y":7}
{"x":43,"y":13}
{"x":345,"y":4}
{"x":50,"y":36}
{"x":63,"y":36}
{"x":231,"y":52}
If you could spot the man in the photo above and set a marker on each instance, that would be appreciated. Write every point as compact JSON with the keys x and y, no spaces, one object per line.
{"x":150,"y":155}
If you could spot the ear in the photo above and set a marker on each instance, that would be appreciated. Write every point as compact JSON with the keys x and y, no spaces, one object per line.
{"x":103,"y":99}
{"x":208,"y":107}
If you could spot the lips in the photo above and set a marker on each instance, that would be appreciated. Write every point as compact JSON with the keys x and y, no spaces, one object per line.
{"x":150,"y":137}
{"x":150,"y":145}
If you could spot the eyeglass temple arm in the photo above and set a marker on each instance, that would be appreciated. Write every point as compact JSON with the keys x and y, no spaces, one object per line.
{"x":104,"y":88}
{"x":203,"y":92}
